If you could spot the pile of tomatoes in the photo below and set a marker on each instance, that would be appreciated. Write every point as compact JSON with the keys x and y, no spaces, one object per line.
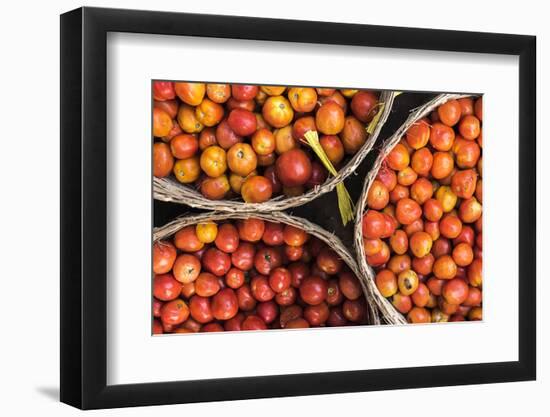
{"x":251,"y":275}
{"x":246,"y":140}
{"x":423,"y":230}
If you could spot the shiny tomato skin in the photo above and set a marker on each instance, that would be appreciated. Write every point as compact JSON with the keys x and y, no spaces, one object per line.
{"x":267,"y":259}
{"x":245,"y":298}
{"x":261,"y":290}
{"x":225,"y":304}
{"x":313,"y":290}
{"x":166,"y":287}
{"x":253,"y":322}
{"x":280,"y":279}
{"x":174,"y":312}
{"x":243,"y":257}
{"x":216,"y":262}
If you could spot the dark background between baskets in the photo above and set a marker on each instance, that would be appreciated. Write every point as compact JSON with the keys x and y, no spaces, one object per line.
{"x":324,"y":209}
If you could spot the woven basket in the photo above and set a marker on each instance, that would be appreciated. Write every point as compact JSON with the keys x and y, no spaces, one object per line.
{"x":169,"y":189}
{"x":330,"y":239}
{"x":387,"y":313}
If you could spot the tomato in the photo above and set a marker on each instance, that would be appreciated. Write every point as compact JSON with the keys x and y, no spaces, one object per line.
{"x":478,"y":108}
{"x":349,"y":285}
{"x":188,"y":170}
{"x":293,"y":168}
{"x":399,"y":243}
{"x":273,"y":234}
{"x":165,"y":287}
{"x":420,"y":244}
{"x":272,"y":90}
{"x":378,"y":195}
{"x":317,"y":315}
{"x":284,"y":140}
{"x":402,"y":303}
{"x":373,"y":224}
{"x":302,"y":100}
{"x":422,"y":161}
{"x":267,"y":311}
{"x":245,"y":298}
{"x":466,"y":152}
{"x":164,"y":255}
{"x":190,"y":93}
{"x":169,"y":106}
{"x":330,"y":118}
{"x":263,"y":142}
{"x":234,"y":324}
{"x":381,"y":257}
{"x":163,"y":161}
{"x":421,"y":190}
{"x":450,"y":112}
{"x":470,"y":210}
{"x":186,"y":240}
{"x":302,"y":126}
{"x":243,"y":257}
{"x":294,"y":236}
{"x":227,"y":239}
{"x":441,"y":246}
{"x":260,"y":288}
{"x":355,"y":310}
{"x":443,"y":164}
{"x":157,"y":327}
{"x":399,"y":158}
{"x":463,"y":255}
{"x":444,"y":267}
{"x":215,"y":188}
{"x":267,"y":259}
{"x":206,"y":284}
{"x":423,"y":265}
{"x":450,"y":226}
{"x":298,"y":271}
{"x":407,"y":211}
{"x":162,"y":122}
{"x":207,"y":138}
{"x":201,"y":309}
{"x":280,"y":279}
{"x":313,"y":290}
{"x":212,"y":327}
{"x":474,"y":272}
{"x":216,"y":262}
{"x":364,"y":105}
{"x":242,"y":122}
{"x":244,"y":92}
{"x":329,"y":262}
{"x":463,"y":183}
{"x":387,"y":177}
{"x":286,"y":297}
{"x":353,"y":135}
{"x":433,"y":210}
{"x":188,"y":290}
{"x":294,"y":253}
{"x":333,"y":147}
{"x":174,"y":312}
{"x":253,"y":323}
{"x":209,"y":113}
{"x":421,"y":296}
{"x":256,"y":189}
{"x":213,"y":161}
{"x":251,"y":229}
{"x":277,"y":111}
{"x":163,"y":90}
{"x":469,"y":127}
{"x":186,"y":268}
{"x":455,"y":291}
{"x":234,"y":278}
{"x":225,"y":304}
{"x":419,"y":315}
{"x":157,"y":304}
{"x":188,"y":120}
{"x":225,"y":136}
{"x":218,"y":93}
{"x":418,"y":134}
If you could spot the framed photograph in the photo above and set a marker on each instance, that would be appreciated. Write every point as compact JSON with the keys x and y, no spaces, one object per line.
{"x":258,"y":208}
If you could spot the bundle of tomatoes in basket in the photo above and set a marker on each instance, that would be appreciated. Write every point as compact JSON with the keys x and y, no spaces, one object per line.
{"x":245,"y":140}
{"x":423,"y":230}
{"x":251,"y":275}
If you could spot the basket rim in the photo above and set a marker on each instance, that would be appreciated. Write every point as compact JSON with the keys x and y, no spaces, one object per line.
{"x":170,"y":190}
{"x":334,"y":242}
{"x":387,"y":311}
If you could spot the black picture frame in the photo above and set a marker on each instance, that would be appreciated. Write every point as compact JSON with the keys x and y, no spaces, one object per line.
{"x":84,"y":207}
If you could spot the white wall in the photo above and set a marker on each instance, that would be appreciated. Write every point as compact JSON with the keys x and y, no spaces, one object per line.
{"x":29,"y":172}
